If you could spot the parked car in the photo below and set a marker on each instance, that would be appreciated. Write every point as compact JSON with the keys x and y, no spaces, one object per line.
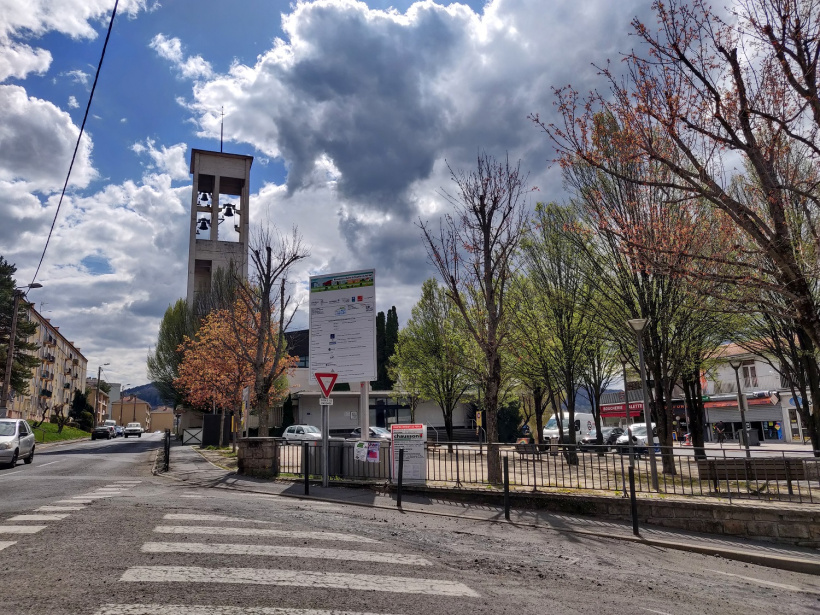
{"x":118,"y":431}
{"x":609,"y":436}
{"x":296,"y":433}
{"x":133,"y":429}
{"x":639,"y":439}
{"x":376,"y":433}
{"x":102,"y":431}
{"x":16,"y":440}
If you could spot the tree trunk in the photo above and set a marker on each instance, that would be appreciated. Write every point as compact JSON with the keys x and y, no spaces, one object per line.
{"x":538,"y":403}
{"x":695,"y":414}
{"x":491,"y":409}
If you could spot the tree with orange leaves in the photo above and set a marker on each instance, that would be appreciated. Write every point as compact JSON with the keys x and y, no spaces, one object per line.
{"x":215,"y":370}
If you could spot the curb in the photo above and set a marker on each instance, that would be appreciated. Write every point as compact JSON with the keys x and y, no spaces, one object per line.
{"x":780,"y":562}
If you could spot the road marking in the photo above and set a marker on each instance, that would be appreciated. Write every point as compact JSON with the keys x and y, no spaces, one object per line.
{"x":21,"y":529}
{"x":58,"y":508}
{"x":92,"y":496}
{"x":116,"y":486}
{"x":253,"y":531}
{"x":108,"y":490}
{"x":6,"y":543}
{"x":280,"y":551}
{"x":192,"y":496}
{"x":75,"y":500}
{"x":179,"y":609}
{"x":42,"y":465}
{"x":39,"y":517}
{"x":196,"y":517}
{"x":658,"y":612}
{"x":300,"y":578}
{"x":128,"y":482}
{"x":753,"y":580}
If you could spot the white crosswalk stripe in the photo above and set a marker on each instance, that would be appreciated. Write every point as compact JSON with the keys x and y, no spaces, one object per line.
{"x":6,"y":543}
{"x":74,"y":500}
{"x":58,"y":508}
{"x":179,"y":609}
{"x":198,"y":517}
{"x":280,"y":551}
{"x":301,"y":578}
{"x":21,"y":529}
{"x":54,"y":517}
{"x":253,"y":531}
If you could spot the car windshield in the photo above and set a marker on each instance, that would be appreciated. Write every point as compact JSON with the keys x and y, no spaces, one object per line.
{"x":639,"y":430}
{"x":551,"y":424}
{"x":381,"y":431}
{"x":311,"y":429}
{"x":7,"y":429}
{"x":132,"y":425}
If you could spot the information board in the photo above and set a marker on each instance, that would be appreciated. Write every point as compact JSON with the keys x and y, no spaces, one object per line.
{"x":343,"y":325}
{"x":413,"y":440}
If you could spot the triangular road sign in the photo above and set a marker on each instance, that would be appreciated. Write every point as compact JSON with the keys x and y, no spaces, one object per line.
{"x":326,"y":382}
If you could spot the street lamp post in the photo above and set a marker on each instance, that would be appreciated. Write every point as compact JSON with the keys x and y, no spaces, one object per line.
{"x":637,"y":325}
{"x":736,"y":365}
{"x":135,"y":408}
{"x":4,"y":393}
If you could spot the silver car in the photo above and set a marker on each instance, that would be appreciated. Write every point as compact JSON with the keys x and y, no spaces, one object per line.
{"x":16,"y":440}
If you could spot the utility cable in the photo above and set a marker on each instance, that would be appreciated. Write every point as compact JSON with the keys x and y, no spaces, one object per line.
{"x":79,"y":137}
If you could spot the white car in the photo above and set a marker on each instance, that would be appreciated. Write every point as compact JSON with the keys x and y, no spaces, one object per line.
{"x":297,"y":433}
{"x":132,"y":429}
{"x":16,"y":440}
{"x":639,"y":439}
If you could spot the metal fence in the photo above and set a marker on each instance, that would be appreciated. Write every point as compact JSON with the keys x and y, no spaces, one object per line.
{"x":727,"y":473}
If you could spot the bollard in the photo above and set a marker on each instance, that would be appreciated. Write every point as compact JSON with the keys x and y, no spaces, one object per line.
{"x":401,"y":471}
{"x":506,"y":488}
{"x":306,"y":466}
{"x":633,"y":501}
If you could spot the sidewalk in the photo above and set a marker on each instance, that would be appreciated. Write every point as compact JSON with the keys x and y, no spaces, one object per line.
{"x":188,"y":466}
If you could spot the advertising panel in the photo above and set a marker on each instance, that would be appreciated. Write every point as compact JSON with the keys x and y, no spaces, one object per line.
{"x":343,"y":325}
{"x":412,"y":439}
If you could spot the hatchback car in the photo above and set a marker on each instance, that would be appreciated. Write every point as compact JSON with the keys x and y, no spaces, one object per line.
{"x":639,"y":439}
{"x":16,"y":440}
{"x":296,"y":433}
{"x":102,"y":431}
{"x":118,"y":431}
{"x":376,"y":433}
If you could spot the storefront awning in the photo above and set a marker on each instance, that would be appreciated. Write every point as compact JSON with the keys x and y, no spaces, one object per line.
{"x":619,"y":410}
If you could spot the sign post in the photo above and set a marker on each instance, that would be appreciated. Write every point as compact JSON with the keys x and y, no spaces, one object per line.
{"x":326,"y":381}
{"x":343,"y":333}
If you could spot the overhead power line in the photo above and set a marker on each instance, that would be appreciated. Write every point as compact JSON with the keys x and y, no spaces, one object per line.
{"x":79,"y":137}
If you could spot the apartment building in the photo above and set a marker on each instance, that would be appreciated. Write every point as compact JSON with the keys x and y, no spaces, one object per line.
{"x":62,"y":370}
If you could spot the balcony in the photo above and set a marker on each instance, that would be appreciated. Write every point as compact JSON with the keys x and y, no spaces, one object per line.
{"x":50,"y":341}
{"x":47,"y":375}
{"x":67,"y":371}
{"x":75,"y":361}
{"x":67,"y":385}
{"x":45,"y":393}
{"x":48,"y":358}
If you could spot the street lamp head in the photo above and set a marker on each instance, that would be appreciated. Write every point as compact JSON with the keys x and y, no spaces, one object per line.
{"x":735,"y":364}
{"x":637,"y":324}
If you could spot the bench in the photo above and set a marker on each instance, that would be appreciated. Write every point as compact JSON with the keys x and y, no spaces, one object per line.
{"x":765,"y":469}
{"x":525,"y":448}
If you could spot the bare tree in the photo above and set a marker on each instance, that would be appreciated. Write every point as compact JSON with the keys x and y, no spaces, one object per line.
{"x":474,"y":252}
{"x":267,"y":313}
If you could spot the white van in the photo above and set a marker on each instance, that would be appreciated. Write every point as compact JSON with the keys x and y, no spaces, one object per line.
{"x":584,"y":423}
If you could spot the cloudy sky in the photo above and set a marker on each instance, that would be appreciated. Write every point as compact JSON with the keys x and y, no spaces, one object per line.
{"x":352,"y":111}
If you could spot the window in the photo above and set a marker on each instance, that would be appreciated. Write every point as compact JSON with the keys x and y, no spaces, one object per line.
{"x":749,"y":374}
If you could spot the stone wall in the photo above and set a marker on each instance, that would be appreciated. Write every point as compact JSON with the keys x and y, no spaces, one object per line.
{"x":797,"y":524}
{"x":258,"y":456}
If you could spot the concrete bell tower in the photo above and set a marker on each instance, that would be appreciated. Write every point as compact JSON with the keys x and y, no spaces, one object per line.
{"x":219,"y":217}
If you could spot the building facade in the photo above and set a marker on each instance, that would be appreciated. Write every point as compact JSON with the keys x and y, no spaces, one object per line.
{"x":62,"y":371}
{"x":131,"y":409}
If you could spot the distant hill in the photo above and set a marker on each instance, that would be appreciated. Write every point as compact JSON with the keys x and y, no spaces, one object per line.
{"x":146,"y":392}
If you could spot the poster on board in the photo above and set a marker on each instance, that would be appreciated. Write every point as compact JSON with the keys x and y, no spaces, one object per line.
{"x":343,"y":325}
{"x":413,"y":440}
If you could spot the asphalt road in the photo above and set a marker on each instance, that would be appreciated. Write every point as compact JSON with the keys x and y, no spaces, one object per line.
{"x":86,"y":529}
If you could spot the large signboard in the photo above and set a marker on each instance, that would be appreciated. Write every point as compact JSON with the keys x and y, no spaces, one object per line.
{"x":343,"y":325}
{"x":412,"y":439}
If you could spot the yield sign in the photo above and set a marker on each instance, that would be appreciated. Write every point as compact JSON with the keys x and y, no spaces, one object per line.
{"x":326,"y":382}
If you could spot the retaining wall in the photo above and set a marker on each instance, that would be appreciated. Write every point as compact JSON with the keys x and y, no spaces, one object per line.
{"x":793,"y":525}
